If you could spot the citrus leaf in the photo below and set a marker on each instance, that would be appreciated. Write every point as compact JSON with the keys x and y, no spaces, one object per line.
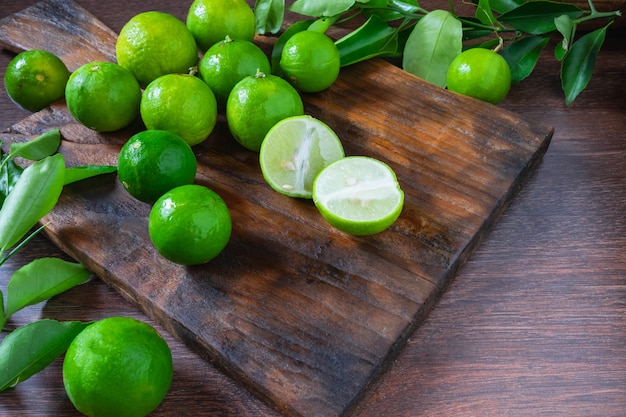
{"x":484,"y":13}
{"x":523,"y":54}
{"x":75,"y":174}
{"x":432,"y":45}
{"x":268,"y":15}
{"x":537,"y":17}
{"x":41,"y":279}
{"x":34,"y":195}
{"x":321,"y":8}
{"x":503,"y":6}
{"x":566,"y":27}
{"x":38,"y":148}
{"x":30,"y":348}
{"x":579,"y":62}
{"x":375,"y":37}
{"x":9,"y":174}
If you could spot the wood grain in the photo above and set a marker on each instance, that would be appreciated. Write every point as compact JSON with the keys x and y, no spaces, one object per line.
{"x":282,"y":308}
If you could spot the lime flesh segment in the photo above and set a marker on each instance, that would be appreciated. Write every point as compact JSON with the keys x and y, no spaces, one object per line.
{"x":358,"y":195}
{"x":295,"y":151}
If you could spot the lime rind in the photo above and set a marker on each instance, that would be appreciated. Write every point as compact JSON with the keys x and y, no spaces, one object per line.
{"x":358,"y":195}
{"x":295,"y":151}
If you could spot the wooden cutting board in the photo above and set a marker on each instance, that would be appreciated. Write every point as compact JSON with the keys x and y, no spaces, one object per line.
{"x":303,"y":315}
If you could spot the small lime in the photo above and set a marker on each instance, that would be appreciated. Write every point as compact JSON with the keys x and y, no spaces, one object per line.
{"x":228,"y":62}
{"x":103,"y":96}
{"x":256,"y":104}
{"x":182,"y":104}
{"x":310,"y":61}
{"x":294,"y":152}
{"x":154,"y":43}
{"x":190,"y":225}
{"x":358,"y":195}
{"x":117,"y":366}
{"x":210,"y":21}
{"x":153,"y":162}
{"x":480,"y":73}
{"x":35,"y":78}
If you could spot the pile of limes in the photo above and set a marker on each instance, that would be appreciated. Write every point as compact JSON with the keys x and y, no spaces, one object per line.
{"x":169,"y":84}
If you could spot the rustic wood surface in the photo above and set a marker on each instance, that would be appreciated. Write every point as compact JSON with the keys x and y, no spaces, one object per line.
{"x":532,"y":325}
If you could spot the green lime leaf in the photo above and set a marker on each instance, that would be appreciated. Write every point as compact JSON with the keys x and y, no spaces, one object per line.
{"x":34,"y":195}
{"x":321,"y":8}
{"x":503,"y":6}
{"x":432,"y":45}
{"x":269,"y":15}
{"x":579,"y":62}
{"x":484,"y":13}
{"x":9,"y":174}
{"x":42,"y":279}
{"x":75,"y":174}
{"x":406,"y":6}
{"x":30,"y":348}
{"x":373,"y":38}
{"x":38,"y":148}
{"x":523,"y":54}
{"x":566,"y":27}
{"x":537,"y":17}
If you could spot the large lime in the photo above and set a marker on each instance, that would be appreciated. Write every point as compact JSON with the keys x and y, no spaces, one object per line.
{"x":310,"y":61}
{"x":154,"y":43}
{"x":211,"y":21}
{"x":153,"y":162}
{"x":182,"y":104}
{"x":103,"y":96}
{"x":256,"y":104}
{"x":228,"y":62}
{"x":35,"y":78}
{"x":480,"y":73}
{"x":190,"y":225}
{"x":119,"y":367}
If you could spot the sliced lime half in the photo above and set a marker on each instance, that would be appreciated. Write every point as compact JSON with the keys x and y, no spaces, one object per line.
{"x":358,"y":195}
{"x":294,"y":151}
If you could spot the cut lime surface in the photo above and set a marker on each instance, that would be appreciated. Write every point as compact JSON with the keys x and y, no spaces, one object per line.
{"x":358,"y":195}
{"x":295,"y":151}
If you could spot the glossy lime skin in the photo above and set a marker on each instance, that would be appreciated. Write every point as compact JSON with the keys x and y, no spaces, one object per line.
{"x":182,"y":104}
{"x":256,"y":104}
{"x":190,"y":225}
{"x":228,"y":62}
{"x":310,"y":61}
{"x":117,"y":366}
{"x":103,"y":96}
{"x":153,"y":162}
{"x":210,"y":21}
{"x":35,"y":78}
{"x":480,"y":73}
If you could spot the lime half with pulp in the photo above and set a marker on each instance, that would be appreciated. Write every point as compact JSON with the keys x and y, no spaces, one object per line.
{"x":295,"y":151}
{"x":358,"y":195}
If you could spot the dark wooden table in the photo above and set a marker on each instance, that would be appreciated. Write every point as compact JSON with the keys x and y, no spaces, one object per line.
{"x":533,"y":325}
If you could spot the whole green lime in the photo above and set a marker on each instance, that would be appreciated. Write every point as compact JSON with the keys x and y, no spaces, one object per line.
{"x":154,"y":43}
{"x":310,"y":61}
{"x":182,"y":104}
{"x":103,"y":96}
{"x":210,"y":21}
{"x":190,"y":224}
{"x":228,"y":62}
{"x":35,"y":78}
{"x":153,"y":162}
{"x":117,"y":366}
{"x":480,"y":73}
{"x":256,"y":104}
